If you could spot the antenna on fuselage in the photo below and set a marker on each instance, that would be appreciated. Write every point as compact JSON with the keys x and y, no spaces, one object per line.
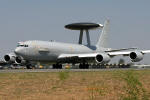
{"x":84,"y":27}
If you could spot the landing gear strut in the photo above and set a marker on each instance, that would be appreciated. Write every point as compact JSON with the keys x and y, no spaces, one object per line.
{"x":57,"y":66}
{"x":84,"y":66}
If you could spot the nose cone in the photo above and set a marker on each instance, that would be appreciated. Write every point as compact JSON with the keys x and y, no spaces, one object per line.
{"x":18,"y":51}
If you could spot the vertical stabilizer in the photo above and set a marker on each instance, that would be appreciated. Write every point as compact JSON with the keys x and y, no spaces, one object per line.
{"x":103,"y":39}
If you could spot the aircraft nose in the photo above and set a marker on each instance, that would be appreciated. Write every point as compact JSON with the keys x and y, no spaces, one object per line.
{"x":17,"y":51}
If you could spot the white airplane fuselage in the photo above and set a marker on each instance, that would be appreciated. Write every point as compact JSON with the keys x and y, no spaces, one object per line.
{"x":49,"y":51}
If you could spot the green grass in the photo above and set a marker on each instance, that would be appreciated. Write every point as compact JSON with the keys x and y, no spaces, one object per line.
{"x":134,"y":87}
{"x":63,"y":75}
{"x":101,"y":85}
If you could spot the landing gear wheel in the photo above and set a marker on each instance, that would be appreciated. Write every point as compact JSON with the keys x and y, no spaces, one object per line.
{"x":84,"y":66}
{"x":28,"y":66}
{"x":54,"y":66}
{"x":57,"y":66}
{"x":80,"y":66}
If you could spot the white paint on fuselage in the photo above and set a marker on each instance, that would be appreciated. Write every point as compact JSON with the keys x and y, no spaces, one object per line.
{"x":49,"y":51}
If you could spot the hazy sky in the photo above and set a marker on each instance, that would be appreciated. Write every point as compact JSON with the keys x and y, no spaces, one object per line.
{"x":22,"y":20}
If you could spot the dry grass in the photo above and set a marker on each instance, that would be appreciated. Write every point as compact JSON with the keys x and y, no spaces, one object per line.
{"x":107,"y":85}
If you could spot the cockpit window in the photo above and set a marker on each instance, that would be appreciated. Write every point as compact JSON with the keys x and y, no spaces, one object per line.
{"x":25,"y":45}
{"x":22,"y":45}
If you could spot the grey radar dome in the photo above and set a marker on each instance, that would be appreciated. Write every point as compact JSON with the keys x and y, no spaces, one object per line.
{"x":83,"y":26}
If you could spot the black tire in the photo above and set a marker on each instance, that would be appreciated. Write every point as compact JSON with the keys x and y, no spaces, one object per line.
{"x":54,"y":66}
{"x":28,"y":66}
{"x":87,"y":66}
{"x":60,"y":66}
{"x":80,"y":66}
{"x":84,"y":66}
{"x":57,"y":66}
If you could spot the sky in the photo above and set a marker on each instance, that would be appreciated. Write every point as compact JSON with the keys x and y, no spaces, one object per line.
{"x":22,"y":20}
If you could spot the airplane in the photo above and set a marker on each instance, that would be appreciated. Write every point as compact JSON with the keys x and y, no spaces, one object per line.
{"x":59,"y":53}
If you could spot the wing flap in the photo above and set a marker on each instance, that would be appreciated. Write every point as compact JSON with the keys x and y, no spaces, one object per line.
{"x":74,"y":58}
{"x":124,"y":53}
{"x":77,"y":55}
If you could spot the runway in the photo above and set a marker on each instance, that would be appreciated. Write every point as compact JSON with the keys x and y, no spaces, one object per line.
{"x":70,"y":70}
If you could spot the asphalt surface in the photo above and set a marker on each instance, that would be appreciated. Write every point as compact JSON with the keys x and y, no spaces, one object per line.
{"x":70,"y":70}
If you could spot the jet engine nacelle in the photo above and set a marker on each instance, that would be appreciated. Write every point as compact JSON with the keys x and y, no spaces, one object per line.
{"x":102,"y":58}
{"x":20,"y":60}
{"x":10,"y":58}
{"x":136,"y":56}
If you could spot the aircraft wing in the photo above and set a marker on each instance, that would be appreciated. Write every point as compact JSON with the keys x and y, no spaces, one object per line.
{"x":77,"y":55}
{"x":122,"y":49}
{"x":90,"y":57}
{"x":110,"y":53}
{"x":126,"y":53}
{"x":145,"y":51}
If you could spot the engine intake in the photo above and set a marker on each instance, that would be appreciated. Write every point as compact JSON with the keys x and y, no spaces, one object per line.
{"x":102,"y":58}
{"x":10,"y":58}
{"x":136,"y":56}
{"x":19,"y":60}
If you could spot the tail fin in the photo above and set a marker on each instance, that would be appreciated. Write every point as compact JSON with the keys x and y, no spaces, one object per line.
{"x":103,"y":40}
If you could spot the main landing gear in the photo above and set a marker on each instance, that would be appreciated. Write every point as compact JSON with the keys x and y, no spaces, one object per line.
{"x":84,"y":66}
{"x":81,"y":66}
{"x":57,"y":66}
{"x":29,"y":66}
